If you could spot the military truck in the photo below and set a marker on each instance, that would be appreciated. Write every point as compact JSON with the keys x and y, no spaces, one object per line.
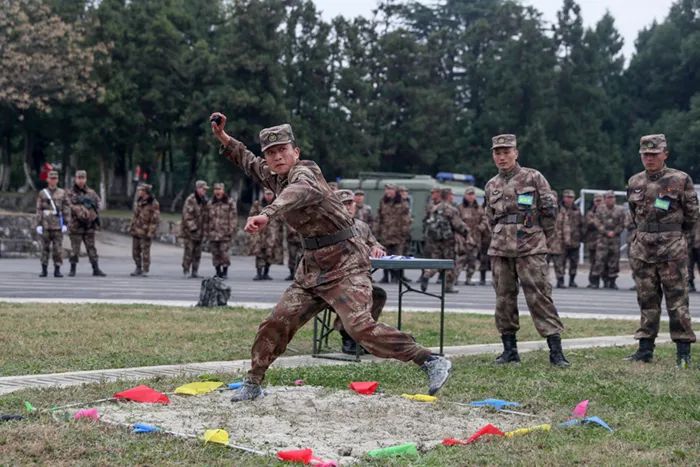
{"x":419,"y":186}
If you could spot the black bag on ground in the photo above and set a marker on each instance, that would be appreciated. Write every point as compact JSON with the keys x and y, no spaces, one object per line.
{"x":214,"y":292}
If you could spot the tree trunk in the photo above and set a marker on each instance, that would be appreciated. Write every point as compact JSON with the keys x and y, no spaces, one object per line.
{"x":26,"y":164}
{"x":6,"y":163}
{"x":104,"y":182}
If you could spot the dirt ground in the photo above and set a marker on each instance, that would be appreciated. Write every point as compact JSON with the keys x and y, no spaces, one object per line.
{"x":337,"y":425}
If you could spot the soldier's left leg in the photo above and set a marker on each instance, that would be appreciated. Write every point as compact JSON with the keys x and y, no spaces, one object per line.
{"x":649,"y":296}
{"x":448,"y":251}
{"x":187,"y":245}
{"x":538,"y":294}
{"x":613,"y":262}
{"x":471,"y":256}
{"x":674,"y":283}
{"x":57,"y":247}
{"x":505,"y":283}
{"x":572,"y":259}
{"x":75,"y":243}
{"x":559,"y":261}
{"x":146,"y":253}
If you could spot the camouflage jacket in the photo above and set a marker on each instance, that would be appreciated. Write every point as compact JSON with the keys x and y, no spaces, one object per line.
{"x":308,"y":204}
{"x":393,"y":222}
{"x":444,"y":221}
{"x":666,"y":197}
{"x":475,"y":219}
{"x":568,"y":230}
{"x":84,"y":210}
{"x":194,"y":217}
{"x":590,"y":235}
{"x":609,"y":220}
{"x":293,"y":237}
{"x":46,"y":216}
{"x":364,"y":213}
{"x":221,"y":219}
{"x":144,"y":222}
{"x":523,"y":194}
{"x":365,"y":233}
{"x":267,"y":244}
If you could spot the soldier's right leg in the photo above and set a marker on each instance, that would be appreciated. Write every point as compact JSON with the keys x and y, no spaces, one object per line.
{"x":57,"y":247}
{"x":505,"y":283}
{"x":146,"y":254}
{"x":674,"y":282}
{"x":470,"y":265}
{"x":136,"y":255}
{"x":559,"y":267}
{"x":196,"y":254}
{"x":572,"y":259}
{"x":45,"y":250}
{"x":259,"y":268}
{"x":187,"y":256}
{"x":649,"y":295}
{"x":76,"y":241}
{"x":598,"y":266}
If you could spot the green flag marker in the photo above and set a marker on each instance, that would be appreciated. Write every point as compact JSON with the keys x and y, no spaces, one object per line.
{"x":30,"y":408}
{"x":408,"y":449}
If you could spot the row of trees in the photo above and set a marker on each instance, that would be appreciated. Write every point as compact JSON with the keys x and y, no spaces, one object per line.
{"x":108,"y":85}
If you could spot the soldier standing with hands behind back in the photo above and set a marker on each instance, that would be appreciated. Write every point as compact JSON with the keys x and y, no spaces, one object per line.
{"x":522,"y":209}
{"x":664,"y":209}
{"x":52,"y":219}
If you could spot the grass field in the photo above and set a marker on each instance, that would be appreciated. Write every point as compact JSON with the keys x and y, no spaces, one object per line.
{"x":47,"y":338}
{"x":654,"y":409}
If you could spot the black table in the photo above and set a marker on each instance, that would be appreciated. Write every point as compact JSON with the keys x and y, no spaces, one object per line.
{"x":441,"y":265}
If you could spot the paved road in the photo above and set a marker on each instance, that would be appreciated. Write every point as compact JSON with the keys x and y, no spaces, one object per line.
{"x":19,"y":279}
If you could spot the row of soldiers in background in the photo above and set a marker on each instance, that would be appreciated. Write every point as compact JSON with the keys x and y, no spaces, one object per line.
{"x":74,"y":211}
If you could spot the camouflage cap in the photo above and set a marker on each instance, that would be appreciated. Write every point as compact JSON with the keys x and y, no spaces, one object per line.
{"x":53,"y":174}
{"x":569,"y":193}
{"x":359,"y":193}
{"x":446,"y":191}
{"x":218,"y":186}
{"x":503,"y":141}
{"x":145,"y":187}
{"x":390,"y":186}
{"x":609,"y":194}
{"x":470,"y":190}
{"x":80,"y":174}
{"x":652,"y":143}
{"x":402,"y":188}
{"x":597,"y":196}
{"x":280,"y":134}
{"x":201,"y":184}
{"x":345,"y":196}
{"x":267,"y":191}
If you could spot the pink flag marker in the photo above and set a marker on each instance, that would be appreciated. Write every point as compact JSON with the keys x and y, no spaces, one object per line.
{"x":580,"y":409}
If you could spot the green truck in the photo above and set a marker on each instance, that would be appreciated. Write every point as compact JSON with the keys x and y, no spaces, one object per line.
{"x":419,"y":186}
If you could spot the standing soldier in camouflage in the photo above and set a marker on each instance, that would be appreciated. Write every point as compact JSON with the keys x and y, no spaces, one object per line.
{"x":84,"y":220}
{"x":522,"y":210}
{"x":433,"y":201}
{"x":364,"y":211}
{"x":144,"y":225}
{"x":475,"y":219}
{"x":221,"y":225}
{"x":590,"y":237}
{"x":441,"y":226}
{"x":52,"y":219}
{"x":393,"y":225}
{"x":609,"y":220}
{"x":664,"y":208}
{"x":568,"y":232}
{"x":266,"y":247}
{"x":335,"y":267}
{"x":294,"y":251}
{"x":194,"y":213}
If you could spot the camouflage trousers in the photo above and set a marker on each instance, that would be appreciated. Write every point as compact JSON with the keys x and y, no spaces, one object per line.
{"x":220,"y":253}
{"x":531,"y":273}
{"x":350,"y":297}
{"x":76,"y":240}
{"x":141,"y":252}
{"x":444,"y":249}
{"x":192,"y":254}
{"x":569,"y":256}
{"x":294,"y":254}
{"x":591,"y":251}
{"x":261,"y":261}
{"x":466,"y":261}
{"x":607,"y":259}
{"x":378,"y":302}
{"x":52,"y":240}
{"x":655,"y":281}
{"x":484,"y":259}
{"x":694,"y":257}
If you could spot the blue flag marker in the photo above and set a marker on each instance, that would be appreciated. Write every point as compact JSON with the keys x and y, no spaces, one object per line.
{"x":144,"y":428}
{"x":497,"y":404}
{"x":584,"y":421}
{"x":235,"y":385}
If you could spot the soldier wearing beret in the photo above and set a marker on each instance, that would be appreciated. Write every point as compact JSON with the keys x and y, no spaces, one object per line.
{"x":664,"y":209}
{"x":194,"y":212}
{"x":609,"y":221}
{"x":85,"y":218}
{"x":334,"y":269}
{"x":52,"y":220}
{"x":522,"y":210}
{"x":144,"y":225}
{"x":221,"y":225}
{"x":568,"y":231}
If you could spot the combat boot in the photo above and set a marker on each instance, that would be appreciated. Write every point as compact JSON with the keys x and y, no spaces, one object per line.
{"x":385,"y":278}
{"x":290,"y":277}
{"x":349,"y":344}
{"x":556,"y":354}
{"x":691,"y":286}
{"x":510,"y":350}
{"x":594,"y":283}
{"x":258,"y":276}
{"x":137,"y":272}
{"x":482,"y":281}
{"x":248,"y":392}
{"x":266,"y":273}
{"x":645,"y":352}
{"x":611,"y":283}
{"x":218,"y":271}
{"x":185,"y":272}
{"x":423,"y":283}
{"x":438,"y":370}
{"x":682,"y":355}
{"x":224,"y":272}
{"x":144,"y":272}
{"x":573,"y":283}
{"x":44,"y":270}
{"x":73,"y":267}
{"x":57,"y":271}
{"x":96,"y":271}
{"x":560,"y":283}
{"x":193,"y":274}
{"x":451,"y":289}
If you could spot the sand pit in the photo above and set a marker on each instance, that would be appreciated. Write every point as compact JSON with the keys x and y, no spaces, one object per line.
{"x":337,"y":425}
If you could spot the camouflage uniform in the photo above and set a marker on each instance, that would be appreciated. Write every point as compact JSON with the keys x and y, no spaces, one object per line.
{"x":429,"y":205}
{"x":475,"y":219}
{"x":608,"y":248}
{"x":364,"y":211}
{"x":393,"y":226}
{"x":664,"y":206}
{"x":590,"y":238}
{"x":441,"y":226}
{"x":484,"y":260}
{"x":85,"y":218}
{"x":221,"y":225}
{"x":192,"y":230}
{"x":335,"y":275}
{"x":51,"y":220}
{"x":144,"y":225}
{"x":267,"y":245}
{"x":569,"y":225}
{"x":295,"y":250}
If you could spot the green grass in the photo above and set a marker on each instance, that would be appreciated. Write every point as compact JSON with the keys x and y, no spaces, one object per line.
{"x":48,"y":338}
{"x":654,"y":409}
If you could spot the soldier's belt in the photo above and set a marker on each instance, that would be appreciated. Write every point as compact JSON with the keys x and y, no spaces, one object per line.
{"x":314,"y":243}
{"x":512,"y":219}
{"x":656,"y":227}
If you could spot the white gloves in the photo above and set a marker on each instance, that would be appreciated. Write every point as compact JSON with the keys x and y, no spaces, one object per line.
{"x":64,"y":229}
{"x":39,"y":230}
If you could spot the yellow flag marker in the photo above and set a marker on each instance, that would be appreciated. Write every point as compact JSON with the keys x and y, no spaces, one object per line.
{"x":419,"y":397}
{"x":194,"y":389}
{"x":216,"y":436}
{"x":524,"y":431}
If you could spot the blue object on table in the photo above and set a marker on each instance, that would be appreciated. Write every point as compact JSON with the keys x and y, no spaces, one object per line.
{"x":144,"y":428}
{"x":497,"y":404}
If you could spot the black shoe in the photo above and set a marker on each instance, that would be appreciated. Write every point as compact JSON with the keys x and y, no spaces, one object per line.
{"x":290,"y":277}
{"x":482,"y":280}
{"x":137,"y":272}
{"x":44,"y":271}
{"x":186,"y":272}
{"x":258,"y":276}
{"x":556,"y":354}
{"x":682,"y":355}
{"x":691,"y":286}
{"x":560,"y":283}
{"x":645,"y":352}
{"x":510,"y":350}
{"x":423,"y":283}
{"x":438,"y":370}
{"x":247,"y":392}
{"x":451,"y":290}
{"x":96,"y":271}
{"x":73,"y":267}
{"x":385,"y":278}
{"x":594,"y":283}
{"x":266,"y":274}
{"x":218,"y":271}
{"x":611,"y":284}
{"x":57,"y":271}
{"x":572,"y":283}
{"x":349,"y":346}
{"x":224,"y":272}
{"x":469,"y":282}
